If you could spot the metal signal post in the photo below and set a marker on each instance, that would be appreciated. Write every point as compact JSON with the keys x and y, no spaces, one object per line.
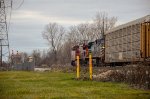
{"x":78,"y":67}
{"x":90,"y":65}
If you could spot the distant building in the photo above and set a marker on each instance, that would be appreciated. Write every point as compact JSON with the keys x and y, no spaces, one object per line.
{"x":21,"y":62}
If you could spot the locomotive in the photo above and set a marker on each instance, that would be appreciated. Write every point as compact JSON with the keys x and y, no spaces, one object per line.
{"x":123,"y":44}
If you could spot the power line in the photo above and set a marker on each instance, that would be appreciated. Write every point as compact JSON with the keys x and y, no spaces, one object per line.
{"x":19,"y":5}
{"x":11,"y":6}
{"x":10,"y":15}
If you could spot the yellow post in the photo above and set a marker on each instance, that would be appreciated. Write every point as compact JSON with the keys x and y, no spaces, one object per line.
{"x":78,"y":66}
{"x":147,"y":39}
{"x":90,"y":66}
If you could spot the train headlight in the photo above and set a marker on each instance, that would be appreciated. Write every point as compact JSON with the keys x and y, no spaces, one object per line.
{"x":103,"y":47}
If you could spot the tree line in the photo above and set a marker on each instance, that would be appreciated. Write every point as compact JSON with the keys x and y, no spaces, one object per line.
{"x":60,"y":40}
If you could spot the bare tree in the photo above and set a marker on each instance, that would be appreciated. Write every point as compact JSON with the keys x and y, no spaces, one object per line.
{"x":54,"y":33}
{"x":102,"y":23}
{"x":25,"y":56}
{"x":78,"y":34}
{"x":65,"y":56}
{"x":90,"y":32}
{"x":37,"y":57}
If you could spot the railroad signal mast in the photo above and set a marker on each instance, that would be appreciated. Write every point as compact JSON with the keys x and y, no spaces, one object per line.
{"x":4,"y":41}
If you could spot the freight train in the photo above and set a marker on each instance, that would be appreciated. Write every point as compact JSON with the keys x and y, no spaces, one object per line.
{"x":123,"y":44}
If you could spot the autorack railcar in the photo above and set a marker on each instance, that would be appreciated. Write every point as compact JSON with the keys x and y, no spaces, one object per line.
{"x":129,"y":42}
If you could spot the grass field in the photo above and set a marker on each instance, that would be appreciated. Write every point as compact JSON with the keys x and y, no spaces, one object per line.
{"x":35,"y":85}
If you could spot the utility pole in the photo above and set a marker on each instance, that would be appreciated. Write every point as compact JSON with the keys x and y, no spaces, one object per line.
{"x":103,"y":44}
{"x":1,"y":52}
{"x":4,"y":41}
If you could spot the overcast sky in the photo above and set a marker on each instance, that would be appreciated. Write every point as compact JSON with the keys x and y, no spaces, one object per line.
{"x":27,"y":22}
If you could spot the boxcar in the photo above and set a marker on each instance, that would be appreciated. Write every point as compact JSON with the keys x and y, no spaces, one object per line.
{"x":129,"y":42}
